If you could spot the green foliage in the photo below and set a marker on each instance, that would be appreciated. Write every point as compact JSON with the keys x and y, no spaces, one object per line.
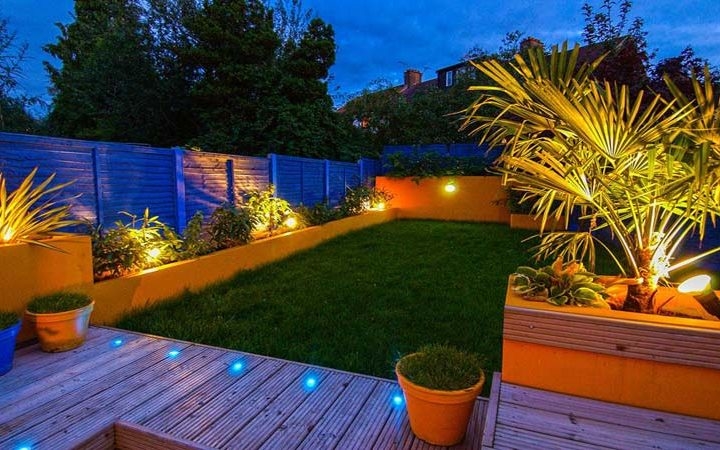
{"x":8,"y":319}
{"x":58,"y":302}
{"x":268,"y":212}
{"x":515,"y":202}
{"x":442,"y":367}
{"x":639,"y":168}
{"x":14,"y":115}
{"x":23,"y":218}
{"x":195,"y":239}
{"x":432,"y":164}
{"x":560,"y":284}
{"x":319,"y":214}
{"x":140,"y":244}
{"x":230,"y":226}
{"x":107,"y":87}
{"x":362,"y":198}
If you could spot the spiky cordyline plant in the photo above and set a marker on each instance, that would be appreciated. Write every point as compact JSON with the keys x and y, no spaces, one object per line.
{"x":646,"y":169}
{"x":24,"y":218}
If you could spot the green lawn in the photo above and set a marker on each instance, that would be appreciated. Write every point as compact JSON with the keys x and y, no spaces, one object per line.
{"x":360,"y":301}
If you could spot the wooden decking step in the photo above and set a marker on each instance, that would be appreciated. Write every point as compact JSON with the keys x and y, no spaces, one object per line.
{"x":521,"y":417}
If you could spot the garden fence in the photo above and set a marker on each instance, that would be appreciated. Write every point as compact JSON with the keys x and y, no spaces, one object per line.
{"x":174,"y":183}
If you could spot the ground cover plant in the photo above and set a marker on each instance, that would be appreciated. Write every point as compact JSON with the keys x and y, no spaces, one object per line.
{"x":360,"y":301}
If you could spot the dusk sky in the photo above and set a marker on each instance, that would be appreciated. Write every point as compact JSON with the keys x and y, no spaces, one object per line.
{"x":379,"y":39}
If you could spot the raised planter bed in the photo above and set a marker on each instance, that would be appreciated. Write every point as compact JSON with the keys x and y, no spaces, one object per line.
{"x":119,"y":295}
{"x":658,"y":362}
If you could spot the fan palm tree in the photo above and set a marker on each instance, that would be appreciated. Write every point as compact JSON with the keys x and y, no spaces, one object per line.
{"x":643,"y":168}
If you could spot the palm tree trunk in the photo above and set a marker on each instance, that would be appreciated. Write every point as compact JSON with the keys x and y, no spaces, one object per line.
{"x":640,"y":296}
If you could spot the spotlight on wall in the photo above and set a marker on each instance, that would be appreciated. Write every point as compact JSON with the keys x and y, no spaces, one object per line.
{"x":699,"y":287}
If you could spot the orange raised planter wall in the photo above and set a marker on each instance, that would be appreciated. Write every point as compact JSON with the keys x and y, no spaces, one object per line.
{"x":657,"y":362}
{"x":476,"y":198}
{"x":28,"y":270}
{"x":117,"y":296}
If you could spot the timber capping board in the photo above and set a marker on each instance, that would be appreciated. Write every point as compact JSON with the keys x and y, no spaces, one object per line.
{"x":662,"y":342}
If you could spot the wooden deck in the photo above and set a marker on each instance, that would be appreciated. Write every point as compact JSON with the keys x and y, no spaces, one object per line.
{"x":520,"y":417}
{"x":128,"y":390}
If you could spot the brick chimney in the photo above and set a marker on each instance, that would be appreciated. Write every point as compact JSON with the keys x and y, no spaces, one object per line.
{"x":412,"y":77}
{"x":530,"y":42}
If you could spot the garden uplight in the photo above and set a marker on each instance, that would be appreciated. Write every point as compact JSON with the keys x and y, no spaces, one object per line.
{"x":8,"y":235}
{"x":291,"y":222}
{"x":699,"y":287}
{"x":154,"y":252}
{"x":450,"y":187}
{"x":379,"y":206}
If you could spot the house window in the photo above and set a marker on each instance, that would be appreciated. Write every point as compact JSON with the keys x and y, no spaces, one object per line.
{"x":449,"y":78}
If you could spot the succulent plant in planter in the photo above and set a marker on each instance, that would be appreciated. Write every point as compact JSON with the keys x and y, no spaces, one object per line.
{"x":61,"y":319}
{"x":560,"y":284}
{"x":9,"y":327}
{"x":440,"y":384}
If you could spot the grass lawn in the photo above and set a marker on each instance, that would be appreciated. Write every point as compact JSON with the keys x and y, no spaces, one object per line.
{"x":360,"y":301}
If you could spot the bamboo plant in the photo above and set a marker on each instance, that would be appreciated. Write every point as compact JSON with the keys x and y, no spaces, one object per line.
{"x":645,"y":169}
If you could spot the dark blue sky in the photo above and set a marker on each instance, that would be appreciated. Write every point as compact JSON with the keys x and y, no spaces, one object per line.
{"x":379,"y":39}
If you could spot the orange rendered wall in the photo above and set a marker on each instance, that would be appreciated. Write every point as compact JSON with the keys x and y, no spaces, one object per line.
{"x":117,"y":296}
{"x":28,"y":270}
{"x":476,"y":199}
{"x":647,"y":384}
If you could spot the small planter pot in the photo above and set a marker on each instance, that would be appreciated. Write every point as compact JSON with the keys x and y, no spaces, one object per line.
{"x":439,"y":417}
{"x":7,"y":347}
{"x":59,"y":332}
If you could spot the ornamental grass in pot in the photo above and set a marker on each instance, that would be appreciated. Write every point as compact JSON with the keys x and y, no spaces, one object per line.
{"x":440,"y":384}
{"x":61,"y":319}
{"x":9,"y":328}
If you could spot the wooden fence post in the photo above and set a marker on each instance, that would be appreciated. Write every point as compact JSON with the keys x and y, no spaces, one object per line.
{"x":100,"y":208}
{"x":180,"y":212}
{"x":326,"y":181}
{"x":273,"y":169}
{"x":230,"y":176}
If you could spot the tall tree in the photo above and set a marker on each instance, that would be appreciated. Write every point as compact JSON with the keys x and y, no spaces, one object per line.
{"x":107,"y":87}
{"x":232,"y":51}
{"x":607,"y":30}
{"x":13,"y":107}
{"x":681,"y":70}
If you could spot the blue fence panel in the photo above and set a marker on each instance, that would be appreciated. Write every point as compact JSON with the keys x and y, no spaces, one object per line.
{"x":20,"y":154}
{"x":300,"y":180}
{"x":369,"y":169}
{"x":341,"y":176}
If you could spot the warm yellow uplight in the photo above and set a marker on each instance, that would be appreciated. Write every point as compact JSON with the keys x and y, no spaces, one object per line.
{"x":379,"y":206}
{"x":695,"y":285}
{"x":8,"y":235}
{"x":450,"y":187}
{"x":154,"y":252}
{"x":291,"y":222}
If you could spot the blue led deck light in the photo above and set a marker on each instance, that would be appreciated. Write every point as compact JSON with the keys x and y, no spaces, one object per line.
{"x":310,"y":382}
{"x":236,"y":368}
{"x":173,"y":354}
{"x":117,"y":342}
{"x":397,"y":400}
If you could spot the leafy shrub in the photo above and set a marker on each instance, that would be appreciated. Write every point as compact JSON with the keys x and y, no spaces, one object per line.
{"x":361,"y":198}
{"x":433,"y":165}
{"x":514,"y":203}
{"x":230,"y":226}
{"x":319,"y":214}
{"x":140,"y":244}
{"x":560,"y":284}
{"x":8,"y":319}
{"x":268,"y":211}
{"x":442,"y":367}
{"x":23,"y":218}
{"x":58,"y":302}
{"x":195,"y":239}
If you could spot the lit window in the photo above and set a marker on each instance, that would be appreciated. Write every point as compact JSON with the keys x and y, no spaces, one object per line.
{"x":449,"y":78}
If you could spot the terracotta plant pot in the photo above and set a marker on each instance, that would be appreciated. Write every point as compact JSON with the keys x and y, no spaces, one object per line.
{"x":7,"y":347}
{"x":59,"y":332}
{"x":439,"y":417}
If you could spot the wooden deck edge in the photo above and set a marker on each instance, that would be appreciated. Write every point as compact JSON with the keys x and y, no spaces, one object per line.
{"x":130,"y":436}
{"x":491,"y":412}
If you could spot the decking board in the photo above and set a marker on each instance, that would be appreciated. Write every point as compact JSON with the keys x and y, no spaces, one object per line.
{"x":134,"y":395}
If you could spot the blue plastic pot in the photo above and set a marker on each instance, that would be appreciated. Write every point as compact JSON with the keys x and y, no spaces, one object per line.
{"x":7,"y":347}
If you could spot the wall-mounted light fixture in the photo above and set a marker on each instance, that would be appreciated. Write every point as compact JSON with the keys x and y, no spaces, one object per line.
{"x":450,"y":187}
